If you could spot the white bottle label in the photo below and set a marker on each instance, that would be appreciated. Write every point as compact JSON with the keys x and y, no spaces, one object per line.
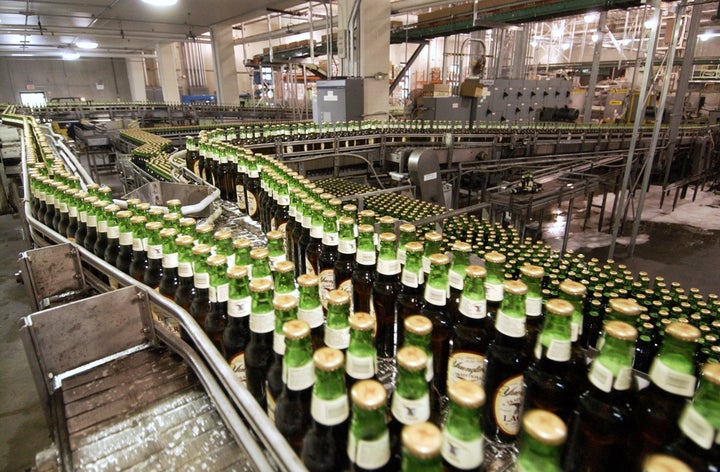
{"x":575,"y":331}
{"x":126,"y":238}
{"x":456,"y":280}
{"x":270,"y":405}
{"x":402,"y":255}
{"x":347,"y":246}
{"x":330,"y":239}
{"x":507,"y":404}
{"x":237,"y":364}
{"x":388,"y":267}
{"x":696,"y":427}
{"x":239,"y":307}
{"x":154,"y":251}
{"x":278,"y":343}
{"x":465,"y":365}
{"x":436,"y":296}
{"x":83,"y":216}
{"x":533,"y":306}
{"x":316,"y":232}
{"x":369,"y":454}
{"x":185,"y":269}
{"x":275,"y":259}
{"x":337,"y":338}
{"x":602,"y":377}
{"x":201,"y":280}
{"x":409,"y":279}
{"x":113,"y":232}
{"x":222,"y":292}
{"x":330,"y":412}
{"x":73,"y":212}
{"x":63,"y":207}
{"x":494,"y":292}
{"x":475,"y":309}
{"x":299,"y":378}
{"x":262,"y":322}
{"x":408,"y":411}
{"x":92,"y":221}
{"x":672,"y":381}
{"x":462,"y":454}
{"x":327,"y":284}
{"x":314,"y":316}
{"x":102,"y":226}
{"x":170,"y":261}
{"x":360,"y":367}
{"x":558,"y":351}
{"x":426,"y":264}
{"x":509,"y":325}
{"x":365,"y":257}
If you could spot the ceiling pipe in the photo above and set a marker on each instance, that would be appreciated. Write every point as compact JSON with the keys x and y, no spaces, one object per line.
{"x":403,"y":6}
{"x":279,"y":33}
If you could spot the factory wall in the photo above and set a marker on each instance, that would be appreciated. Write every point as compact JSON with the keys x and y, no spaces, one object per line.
{"x":98,"y":79}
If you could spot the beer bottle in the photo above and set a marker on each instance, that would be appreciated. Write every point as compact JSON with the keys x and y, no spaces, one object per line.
{"x":292,"y":222}
{"x":138,"y":262}
{"x":305,"y":228}
{"x":154,"y":270}
{"x":421,"y":445}
{"x":506,"y":361}
{"x":185,"y":291}
{"x":697,"y":444}
{"x":260,"y":264}
{"x":282,"y":214}
{"x":292,"y":413}
{"x":200,"y":305}
{"x":112,"y":246}
{"x":345,"y":264}
{"x":284,"y":279}
{"x":60,"y":206}
{"x":418,"y":333}
{"x":324,"y":445}
{"x":672,"y":382}
{"x":328,"y":254}
{"x":601,"y":427}
{"x":285,"y":310}
{"x":97,"y":210}
{"x":49,"y":216}
{"x":532,"y":277}
{"x":575,"y":293}
{"x":171,"y":220}
{"x":541,"y":442}
{"x":205,"y":234}
{"x":242,"y":248}
{"x":101,"y":241}
{"x":74,"y":206}
{"x":155,"y":214}
{"x":66,"y":200}
{"x":337,"y":327}
{"x":85,"y":209}
{"x":259,"y":351}
{"x":407,"y":235}
{"x":409,"y":298}
{"x":385,"y":289}
{"x":218,"y":293}
{"x":314,"y":245}
{"x":361,"y":356}
{"x":495,"y":266}
{"x":169,"y":281}
{"x":237,"y":332}
{"x":240,"y":179}
{"x":547,"y":386}
{"x":456,"y":275}
{"x":434,"y":308}
{"x":187,"y":227}
{"x":368,"y":441}
{"x":294,"y":240}
{"x":364,"y":274}
{"x":664,"y":463}
{"x":224,"y":246}
{"x":124,"y":254}
{"x":276,"y":248}
{"x":310,"y":309}
{"x":472,"y":331}
{"x":433,"y":240}
{"x":462,"y":447}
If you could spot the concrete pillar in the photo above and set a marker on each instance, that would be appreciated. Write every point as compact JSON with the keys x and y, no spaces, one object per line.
{"x":168,"y":72}
{"x":223,"y":49}
{"x":374,"y":56}
{"x":136,"y":77}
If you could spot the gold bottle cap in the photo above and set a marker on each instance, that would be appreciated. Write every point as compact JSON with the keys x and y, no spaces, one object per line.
{"x":367,"y":214}
{"x":155,"y":212}
{"x":62,"y":187}
{"x":515,"y":287}
{"x":172,"y":216}
{"x":105,"y":189}
{"x":664,"y":463}
{"x":461,"y":246}
{"x":366,"y":229}
{"x":559,"y":307}
{"x":387,"y":237}
{"x":308,"y":280}
{"x":284,"y":267}
{"x":112,"y":208}
{"x":309,"y":202}
{"x":259,"y":253}
{"x":361,"y":321}
{"x":131,"y":201}
{"x":186,"y":221}
{"x":93,"y":186}
{"x":100,"y":204}
{"x":242,"y":243}
{"x":216,"y":260}
{"x":296,"y":329}
{"x":184,"y":240}
{"x":433,"y":236}
{"x":711,"y":370}
{"x":407,"y":228}
{"x":414,"y":246}
{"x":201,"y":250}
{"x":621,"y":330}
{"x":625,"y":306}
{"x":418,"y":325}
{"x":683,"y":331}
{"x":173,"y":202}
{"x":439,"y":259}
{"x":350,"y":208}
{"x":412,"y":358}
{"x":237,"y":272}
{"x":334,"y":202}
{"x":571,"y":287}
{"x":466,"y":394}
{"x":346,"y":220}
{"x":495,"y":257}
{"x":475,"y":271}
{"x":284,"y":302}
{"x":422,"y":440}
{"x":368,"y":394}
{"x":122,"y":214}
{"x":222,"y":234}
{"x":532,"y":271}
{"x":386,"y":220}
{"x":137,"y":219}
{"x":260,"y":285}
{"x":316,"y":207}
{"x":275,"y":235}
{"x":168,"y":233}
{"x":545,"y":427}
{"x":153,"y":226}
{"x":205,"y":228}
{"x":329,"y":214}
{"x":329,"y":359}
{"x":338,"y":297}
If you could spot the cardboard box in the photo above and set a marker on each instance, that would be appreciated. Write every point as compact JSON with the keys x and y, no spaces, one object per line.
{"x":471,"y":89}
{"x":436,"y":90}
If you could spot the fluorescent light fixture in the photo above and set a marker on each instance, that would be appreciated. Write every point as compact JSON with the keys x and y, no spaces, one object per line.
{"x":707,"y":35}
{"x":70,"y":56}
{"x":160,"y":3}
{"x":86,"y":44}
{"x":590,"y":17}
{"x":650,"y":24}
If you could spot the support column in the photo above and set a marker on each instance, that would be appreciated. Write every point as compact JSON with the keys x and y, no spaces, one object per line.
{"x":373,"y":53}
{"x":168,"y":72}
{"x":136,"y":77}
{"x":223,"y":49}
{"x":587,"y":114}
{"x":520,"y":44}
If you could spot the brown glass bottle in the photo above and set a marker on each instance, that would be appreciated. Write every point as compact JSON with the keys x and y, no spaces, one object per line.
{"x":385,"y":289}
{"x":434,"y":307}
{"x":409,"y":299}
{"x":259,"y":351}
{"x":345,"y":262}
{"x":364,"y":274}
{"x":170,"y":280}
{"x":200,"y":305}
{"x":154,"y":270}
{"x":237,"y":332}
{"x":218,"y":292}
{"x":185,"y":291}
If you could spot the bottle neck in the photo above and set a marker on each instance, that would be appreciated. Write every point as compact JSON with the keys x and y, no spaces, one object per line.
{"x":411,"y":384}
{"x":612,"y":368}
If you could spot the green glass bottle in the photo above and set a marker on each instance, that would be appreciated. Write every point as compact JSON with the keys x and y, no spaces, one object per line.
{"x":169,"y":281}
{"x":421,"y":446}
{"x":204,"y":234}
{"x":462,"y":447}
{"x":112,"y":247}
{"x":385,"y":289}
{"x":224,"y":245}
{"x":532,"y":277}
{"x":237,"y":332}
{"x":260,"y":264}
{"x":456,"y":276}
{"x":259,"y":351}
{"x":407,"y":235}
{"x":284,"y":279}
{"x":337,"y":328}
{"x":218,"y":293}
{"x":361,"y":356}
{"x":242,"y":247}
{"x":347,"y":248}
{"x":328,"y":254}
{"x":200,"y":305}
{"x":368,"y":445}
{"x":433,"y":240}
{"x":435,"y":309}
{"x":314,"y":245}
{"x":125,"y":240}
{"x":363,"y":275}
{"x":495,"y":266}
{"x":285,"y":310}
{"x":418,"y":333}
{"x":186,"y":287}
{"x":310,"y":309}
{"x":412,"y":280}
{"x":541,"y":442}
{"x":153,"y":271}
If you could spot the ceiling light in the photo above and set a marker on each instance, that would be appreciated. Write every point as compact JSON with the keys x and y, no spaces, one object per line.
{"x":86,"y":44}
{"x":160,"y":3}
{"x":590,"y":17}
{"x":565,"y":46}
{"x":557,"y":32}
{"x":707,"y":35}
{"x":650,"y":24}
{"x":533,"y":43}
{"x":70,"y":56}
